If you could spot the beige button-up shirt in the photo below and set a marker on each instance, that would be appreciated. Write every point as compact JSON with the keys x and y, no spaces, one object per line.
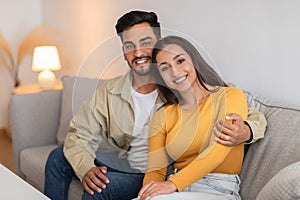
{"x":105,"y":121}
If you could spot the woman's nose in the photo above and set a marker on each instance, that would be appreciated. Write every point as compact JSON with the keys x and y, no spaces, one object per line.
{"x":175,"y":71}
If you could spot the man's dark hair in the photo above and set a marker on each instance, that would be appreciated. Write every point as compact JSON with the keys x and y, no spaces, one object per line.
{"x":137,"y":17}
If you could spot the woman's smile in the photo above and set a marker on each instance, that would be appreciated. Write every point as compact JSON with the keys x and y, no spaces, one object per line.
{"x":180,"y":79}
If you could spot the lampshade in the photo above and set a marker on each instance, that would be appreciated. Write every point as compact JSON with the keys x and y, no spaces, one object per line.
{"x":45,"y":58}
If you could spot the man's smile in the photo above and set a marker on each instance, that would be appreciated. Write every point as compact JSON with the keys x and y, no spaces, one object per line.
{"x":141,"y":60}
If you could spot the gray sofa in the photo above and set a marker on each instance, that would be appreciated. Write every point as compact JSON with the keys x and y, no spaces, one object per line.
{"x":39,"y":123}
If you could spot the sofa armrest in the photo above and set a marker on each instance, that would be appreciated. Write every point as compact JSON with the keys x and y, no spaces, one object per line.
{"x":34,"y":120}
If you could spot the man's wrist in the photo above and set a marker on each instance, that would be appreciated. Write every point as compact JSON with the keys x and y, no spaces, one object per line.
{"x":251,"y":133}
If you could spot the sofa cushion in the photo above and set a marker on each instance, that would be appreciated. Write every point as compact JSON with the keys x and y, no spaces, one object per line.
{"x":75,"y":91}
{"x":33,"y":161}
{"x":284,"y":185}
{"x":32,"y":164}
{"x":34,"y":120}
{"x":277,"y":150}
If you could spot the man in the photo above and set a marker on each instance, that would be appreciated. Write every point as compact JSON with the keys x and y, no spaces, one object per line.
{"x":116,"y":119}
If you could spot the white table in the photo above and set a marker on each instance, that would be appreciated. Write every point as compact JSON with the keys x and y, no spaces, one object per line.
{"x":13,"y":187}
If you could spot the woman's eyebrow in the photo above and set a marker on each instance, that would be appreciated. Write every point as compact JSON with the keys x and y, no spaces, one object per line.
{"x":178,"y":56}
{"x":163,"y":63}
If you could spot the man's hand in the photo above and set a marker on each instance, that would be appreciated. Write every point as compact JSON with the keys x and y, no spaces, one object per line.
{"x":95,"y":180}
{"x":232,"y":133}
{"x":154,"y":188}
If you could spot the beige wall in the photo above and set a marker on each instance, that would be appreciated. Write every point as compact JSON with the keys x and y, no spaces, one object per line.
{"x":17,"y":19}
{"x":254,"y":44}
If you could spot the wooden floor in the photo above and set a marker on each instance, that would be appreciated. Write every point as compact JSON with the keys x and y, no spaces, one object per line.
{"x":6,"y":151}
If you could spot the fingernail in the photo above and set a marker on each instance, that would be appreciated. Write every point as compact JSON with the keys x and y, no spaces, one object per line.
{"x":227,"y":117}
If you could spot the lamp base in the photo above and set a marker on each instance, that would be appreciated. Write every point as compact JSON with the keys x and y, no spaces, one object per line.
{"x":46,"y":79}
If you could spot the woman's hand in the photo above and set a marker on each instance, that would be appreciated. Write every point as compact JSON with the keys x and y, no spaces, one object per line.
{"x":153,"y":189}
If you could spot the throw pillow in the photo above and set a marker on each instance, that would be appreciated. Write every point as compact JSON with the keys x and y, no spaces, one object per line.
{"x":75,"y":91}
{"x":284,"y":185}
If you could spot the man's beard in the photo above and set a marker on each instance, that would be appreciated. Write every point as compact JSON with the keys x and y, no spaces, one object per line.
{"x":142,"y":71}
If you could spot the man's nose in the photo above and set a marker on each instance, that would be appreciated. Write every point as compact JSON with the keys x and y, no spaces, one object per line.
{"x":138,"y":52}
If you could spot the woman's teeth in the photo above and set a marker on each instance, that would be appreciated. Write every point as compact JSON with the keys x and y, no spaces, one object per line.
{"x":180,"y":80}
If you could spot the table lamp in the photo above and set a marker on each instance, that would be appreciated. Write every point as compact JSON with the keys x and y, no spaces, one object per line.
{"x":45,"y":60}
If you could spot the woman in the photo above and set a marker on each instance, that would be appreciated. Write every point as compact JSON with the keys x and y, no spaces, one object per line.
{"x":182,"y":131}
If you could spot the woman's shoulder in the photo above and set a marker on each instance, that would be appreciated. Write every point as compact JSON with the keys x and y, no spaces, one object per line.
{"x":230,"y":91}
{"x":234,"y":89}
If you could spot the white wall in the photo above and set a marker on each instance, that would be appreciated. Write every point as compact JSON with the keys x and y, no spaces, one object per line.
{"x":253,"y":43}
{"x":17,"y":19}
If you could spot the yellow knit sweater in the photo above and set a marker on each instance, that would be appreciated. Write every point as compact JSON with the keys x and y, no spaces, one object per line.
{"x":186,"y":136}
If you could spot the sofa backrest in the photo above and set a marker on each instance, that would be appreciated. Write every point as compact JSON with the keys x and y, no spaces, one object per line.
{"x":279,"y":148}
{"x":75,"y":91}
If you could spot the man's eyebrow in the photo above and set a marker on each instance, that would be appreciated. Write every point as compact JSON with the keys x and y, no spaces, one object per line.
{"x":145,"y":38}
{"x":128,"y":42}
{"x":140,"y":40}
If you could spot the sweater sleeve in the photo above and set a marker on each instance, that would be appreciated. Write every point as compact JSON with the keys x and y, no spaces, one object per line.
{"x":214,"y":154}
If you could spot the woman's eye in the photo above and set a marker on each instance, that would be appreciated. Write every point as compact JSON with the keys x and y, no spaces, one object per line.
{"x":164,"y":68}
{"x":181,"y":60}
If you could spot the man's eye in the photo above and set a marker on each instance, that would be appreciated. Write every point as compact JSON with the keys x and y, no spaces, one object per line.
{"x":181,"y":60}
{"x":146,"y":43}
{"x":128,"y":46}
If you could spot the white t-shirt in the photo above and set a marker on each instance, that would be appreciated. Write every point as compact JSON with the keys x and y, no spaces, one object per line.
{"x":143,"y":112}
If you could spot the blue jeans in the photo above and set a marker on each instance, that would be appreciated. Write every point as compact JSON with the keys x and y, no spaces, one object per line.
{"x":213,"y":186}
{"x":59,"y":174}
{"x":122,"y":186}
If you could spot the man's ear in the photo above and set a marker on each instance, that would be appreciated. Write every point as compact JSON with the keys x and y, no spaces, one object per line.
{"x":124,"y":56}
